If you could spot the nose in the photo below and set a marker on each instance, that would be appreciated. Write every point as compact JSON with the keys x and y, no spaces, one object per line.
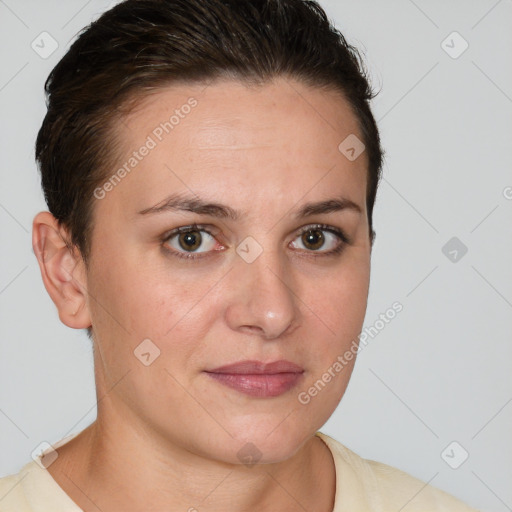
{"x":262,"y":301}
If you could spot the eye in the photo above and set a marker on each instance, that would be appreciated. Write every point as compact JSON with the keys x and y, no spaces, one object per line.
{"x":189,"y":240}
{"x":320,"y":238}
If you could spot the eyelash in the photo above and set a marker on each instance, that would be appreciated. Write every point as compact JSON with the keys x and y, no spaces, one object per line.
{"x":342,"y":237}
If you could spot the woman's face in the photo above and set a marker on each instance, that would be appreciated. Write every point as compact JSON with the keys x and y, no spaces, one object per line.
{"x":262,"y":277}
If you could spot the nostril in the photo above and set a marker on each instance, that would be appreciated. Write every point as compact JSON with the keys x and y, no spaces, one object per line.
{"x":252,"y":329}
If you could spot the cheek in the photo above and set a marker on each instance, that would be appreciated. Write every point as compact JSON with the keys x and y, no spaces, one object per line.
{"x":341,"y":305}
{"x":135,"y":304}
{"x":153,"y":300}
{"x":340,"y":301}
{"x":348,"y":304}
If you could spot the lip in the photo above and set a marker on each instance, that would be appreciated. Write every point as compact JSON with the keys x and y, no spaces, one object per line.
{"x":259,"y":379}
{"x":259,"y":368}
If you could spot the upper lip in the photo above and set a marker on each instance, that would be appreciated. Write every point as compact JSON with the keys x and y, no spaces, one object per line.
{"x":259,"y":368}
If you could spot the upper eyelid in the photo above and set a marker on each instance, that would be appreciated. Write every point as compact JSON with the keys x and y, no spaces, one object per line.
{"x":192,"y":227}
{"x":207,"y":229}
{"x":340,"y":233}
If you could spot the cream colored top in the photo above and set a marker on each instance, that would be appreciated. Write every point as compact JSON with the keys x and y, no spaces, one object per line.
{"x":361,"y":486}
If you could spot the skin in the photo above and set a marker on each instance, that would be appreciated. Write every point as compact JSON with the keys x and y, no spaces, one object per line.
{"x":167,"y":435}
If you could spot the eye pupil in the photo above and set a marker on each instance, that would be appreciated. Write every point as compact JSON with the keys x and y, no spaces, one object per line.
{"x":190,"y":240}
{"x":313,"y":238}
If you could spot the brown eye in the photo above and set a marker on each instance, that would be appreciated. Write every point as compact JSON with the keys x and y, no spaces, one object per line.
{"x":190,"y":240}
{"x":321,"y":239}
{"x":313,"y":239}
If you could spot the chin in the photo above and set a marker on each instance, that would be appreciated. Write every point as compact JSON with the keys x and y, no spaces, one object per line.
{"x":250,"y":453}
{"x":269,"y":441}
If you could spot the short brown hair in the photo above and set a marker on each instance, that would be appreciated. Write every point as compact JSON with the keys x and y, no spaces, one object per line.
{"x":141,"y":45}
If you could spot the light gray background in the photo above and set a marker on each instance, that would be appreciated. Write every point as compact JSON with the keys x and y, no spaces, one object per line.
{"x":441,"y":371}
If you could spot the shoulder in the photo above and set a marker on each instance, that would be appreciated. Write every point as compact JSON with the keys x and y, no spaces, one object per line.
{"x":13,"y":491}
{"x":382,"y":487}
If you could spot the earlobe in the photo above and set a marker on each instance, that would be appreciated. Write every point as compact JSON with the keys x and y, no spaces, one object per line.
{"x":62,"y":270}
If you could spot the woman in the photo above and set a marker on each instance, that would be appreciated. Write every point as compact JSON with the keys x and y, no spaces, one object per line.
{"x":210,"y":169}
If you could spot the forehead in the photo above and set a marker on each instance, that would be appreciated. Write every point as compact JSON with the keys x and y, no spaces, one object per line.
{"x":280,"y":138}
{"x":225,"y":104}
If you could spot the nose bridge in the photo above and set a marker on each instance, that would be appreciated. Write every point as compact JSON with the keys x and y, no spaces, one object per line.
{"x":264,"y":300}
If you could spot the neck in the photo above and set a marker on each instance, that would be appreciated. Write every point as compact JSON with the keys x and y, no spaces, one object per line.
{"x":117,"y":469}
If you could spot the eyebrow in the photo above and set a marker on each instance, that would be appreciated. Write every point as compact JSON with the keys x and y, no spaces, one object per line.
{"x":177,"y":202}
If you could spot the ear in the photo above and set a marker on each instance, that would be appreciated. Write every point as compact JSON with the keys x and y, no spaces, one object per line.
{"x":62,"y":269}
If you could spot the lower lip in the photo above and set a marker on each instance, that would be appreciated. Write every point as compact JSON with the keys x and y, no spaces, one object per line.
{"x":266,"y":385}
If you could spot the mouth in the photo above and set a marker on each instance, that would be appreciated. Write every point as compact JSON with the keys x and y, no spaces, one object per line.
{"x":259,"y":379}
